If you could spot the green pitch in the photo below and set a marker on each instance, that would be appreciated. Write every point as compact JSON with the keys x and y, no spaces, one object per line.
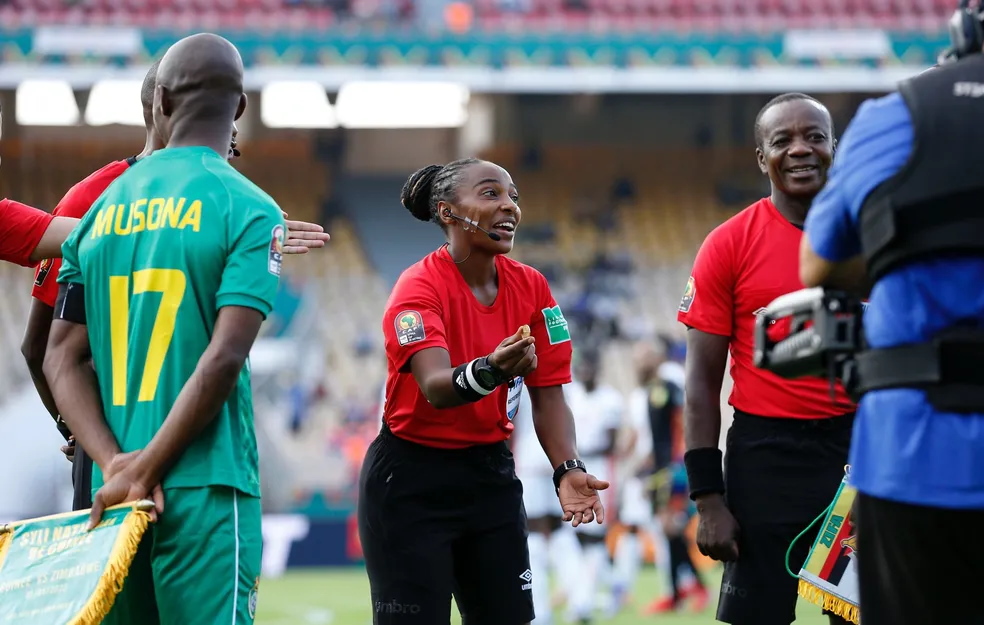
{"x":341,"y":597}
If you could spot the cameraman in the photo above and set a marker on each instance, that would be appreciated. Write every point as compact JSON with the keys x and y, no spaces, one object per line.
{"x":902,"y":210}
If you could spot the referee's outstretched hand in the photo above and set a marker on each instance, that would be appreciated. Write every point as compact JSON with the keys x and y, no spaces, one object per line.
{"x":717,"y":529}
{"x":579,"y":498}
{"x":515,"y":355}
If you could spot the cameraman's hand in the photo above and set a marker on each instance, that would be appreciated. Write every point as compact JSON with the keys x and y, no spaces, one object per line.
{"x":717,"y":529}
{"x":515,"y":356}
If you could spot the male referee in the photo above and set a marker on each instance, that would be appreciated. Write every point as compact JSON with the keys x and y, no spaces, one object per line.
{"x":902,"y":210}
{"x":176,"y":264}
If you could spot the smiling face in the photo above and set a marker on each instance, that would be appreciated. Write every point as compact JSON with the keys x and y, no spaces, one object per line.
{"x":487,"y":195}
{"x":796,"y":147}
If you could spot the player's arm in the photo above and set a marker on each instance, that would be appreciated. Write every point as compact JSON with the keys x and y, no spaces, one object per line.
{"x":707,"y":358}
{"x":34,"y":346}
{"x":203,"y":395}
{"x":73,"y":380}
{"x":50,"y":245}
{"x":707,"y":309}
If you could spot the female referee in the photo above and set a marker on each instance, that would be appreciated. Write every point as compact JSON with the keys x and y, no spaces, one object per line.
{"x":440,"y":506}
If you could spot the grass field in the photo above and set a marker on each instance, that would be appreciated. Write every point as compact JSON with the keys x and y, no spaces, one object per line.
{"x":341,"y":597}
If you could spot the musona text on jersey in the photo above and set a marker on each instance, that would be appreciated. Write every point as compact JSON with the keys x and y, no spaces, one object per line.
{"x":147,"y":214}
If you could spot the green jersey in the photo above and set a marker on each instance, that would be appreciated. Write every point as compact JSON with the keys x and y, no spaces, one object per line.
{"x":179,"y":236}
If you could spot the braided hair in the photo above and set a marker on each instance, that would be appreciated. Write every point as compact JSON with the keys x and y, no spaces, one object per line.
{"x":430,"y":185}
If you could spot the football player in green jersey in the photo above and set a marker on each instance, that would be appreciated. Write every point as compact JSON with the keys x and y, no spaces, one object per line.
{"x":175,"y":266}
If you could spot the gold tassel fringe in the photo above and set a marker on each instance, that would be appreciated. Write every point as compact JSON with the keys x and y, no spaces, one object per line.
{"x":829,"y":602}
{"x":5,"y":537}
{"x":117,"y":568}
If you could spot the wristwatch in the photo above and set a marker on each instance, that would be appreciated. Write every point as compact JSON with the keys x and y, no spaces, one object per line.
{"x":564,"y":469}
{"x":488,"y":375}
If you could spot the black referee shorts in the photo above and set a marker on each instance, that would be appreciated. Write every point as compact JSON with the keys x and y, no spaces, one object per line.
{"x":918,"y":565}
{"x":780,"y":475}
{"x":81,"y":479}
{"x":436,"y":523}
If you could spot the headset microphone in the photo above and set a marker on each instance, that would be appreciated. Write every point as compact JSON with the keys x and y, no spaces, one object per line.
{"x":474,"y":224}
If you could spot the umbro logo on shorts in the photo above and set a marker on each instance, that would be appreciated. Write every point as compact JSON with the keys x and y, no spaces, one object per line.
{"x":526,"y":576}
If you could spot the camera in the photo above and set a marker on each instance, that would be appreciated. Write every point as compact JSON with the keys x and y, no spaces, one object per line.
{"x":823,"y":336}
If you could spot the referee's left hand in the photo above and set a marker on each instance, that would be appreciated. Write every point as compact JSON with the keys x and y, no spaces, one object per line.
{"x":303,"y":236}
{"x":579,"y":498}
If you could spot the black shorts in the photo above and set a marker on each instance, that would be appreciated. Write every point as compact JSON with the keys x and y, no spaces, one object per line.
{"x":780,"y":474}
{"x":81,"y":479}
{"x":436,"y":523}
{"x":913,"y":562}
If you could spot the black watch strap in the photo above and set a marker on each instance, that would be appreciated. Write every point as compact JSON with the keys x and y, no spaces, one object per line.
{"x":564,"y":469}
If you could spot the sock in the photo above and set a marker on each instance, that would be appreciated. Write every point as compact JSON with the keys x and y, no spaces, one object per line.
{"x":583,"y":599}
{"x":628,"y":559}
{"x":662,"y":558}
{"x":539,"y":566}
{"x":565,"y":558}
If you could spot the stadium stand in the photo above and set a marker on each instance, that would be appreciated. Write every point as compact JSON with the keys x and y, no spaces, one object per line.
{"x":528,"y":15}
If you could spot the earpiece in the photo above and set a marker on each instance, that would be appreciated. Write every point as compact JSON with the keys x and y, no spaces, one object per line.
{"x":966,"y":32}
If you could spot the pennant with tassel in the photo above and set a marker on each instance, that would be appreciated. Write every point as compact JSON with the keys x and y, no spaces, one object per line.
{"x":53,"y":570}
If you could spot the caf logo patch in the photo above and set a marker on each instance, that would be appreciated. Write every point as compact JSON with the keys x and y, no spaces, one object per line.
{"x":251,"y":602}
{"x":43,"y":270}
{"x":688,"y":296}
{"x":409,"y":327}
{"x":276,"y":259}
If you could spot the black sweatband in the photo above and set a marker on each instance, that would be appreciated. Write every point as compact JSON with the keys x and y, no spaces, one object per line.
{"x":465,"y":383}
{"x":704,"y":472}
{"x":70,"y":304}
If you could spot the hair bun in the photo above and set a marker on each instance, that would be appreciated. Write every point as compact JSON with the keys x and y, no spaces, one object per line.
{"x":416,"y":193}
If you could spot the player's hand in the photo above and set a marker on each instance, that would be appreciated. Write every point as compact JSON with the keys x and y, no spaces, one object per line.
{"x":717,"y":529}
{"x":579,"y":498}
{"x":516,"y":355}
{"x":119,"y":463}
{"x":123,"y":488}
{"x":69,"y":449}
{"x":303,"y":236}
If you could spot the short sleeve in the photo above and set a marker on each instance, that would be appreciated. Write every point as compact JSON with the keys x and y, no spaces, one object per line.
{"x":21,"y":229}
{"x":412,"y":321}
{"x":553,"y":338}
{"x":71,"y":270}
{"x":708,"y":300}
{"x":875,"y":146}
{"x":254,"y":259}
{"x":75,"y":203}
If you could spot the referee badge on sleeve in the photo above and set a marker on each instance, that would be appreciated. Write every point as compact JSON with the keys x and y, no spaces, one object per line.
{"x":276,"y":255}
{"x":43,"y":270}
{"x":688,"y":296}
{"x":409,"y":327}
{"x":557,"y":329}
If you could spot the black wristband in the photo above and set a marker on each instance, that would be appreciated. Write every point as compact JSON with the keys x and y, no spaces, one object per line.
{"x":465,"y":384}
{"x":704,"y":472}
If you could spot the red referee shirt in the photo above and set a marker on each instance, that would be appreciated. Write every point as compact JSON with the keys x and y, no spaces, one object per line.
{"x":742,"y":266}
{"x":75,"y":204}
{"x":432,"y":306}
{"x":21,"y":229}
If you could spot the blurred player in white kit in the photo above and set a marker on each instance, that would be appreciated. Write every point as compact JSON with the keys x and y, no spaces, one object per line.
{"x":552,"y":544}
{"x":598,"y":412}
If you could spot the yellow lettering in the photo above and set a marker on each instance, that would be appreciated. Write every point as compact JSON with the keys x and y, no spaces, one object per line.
{"x":155,"y":213}
{"x":137,"y":208}
{"x":193,"y":217}
{"x":171,"y":212}
{"x":120,"y":230}
{"x":104,"y":221}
